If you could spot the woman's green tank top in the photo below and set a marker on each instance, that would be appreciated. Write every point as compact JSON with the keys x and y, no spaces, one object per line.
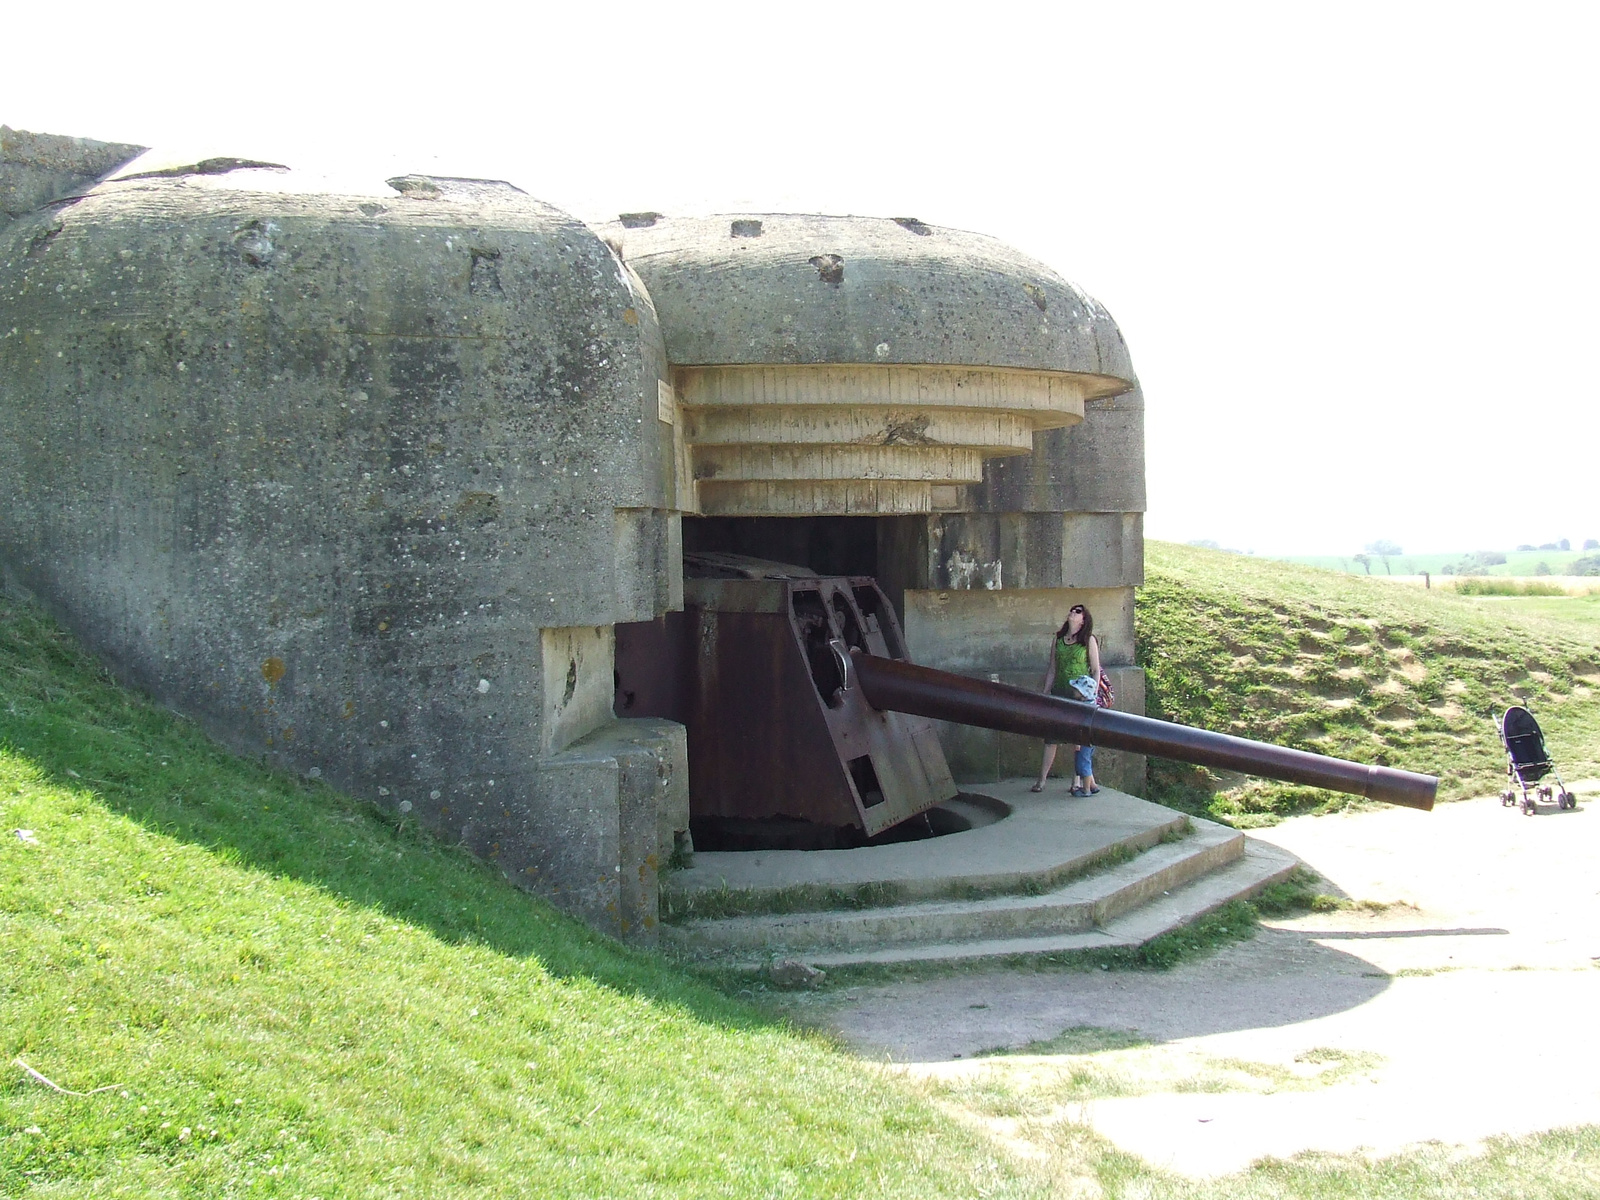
{"x":1072,"y":660}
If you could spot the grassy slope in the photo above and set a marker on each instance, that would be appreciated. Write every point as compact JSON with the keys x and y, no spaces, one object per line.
{"x":298,"y":998}
{"x":1357,"y":668}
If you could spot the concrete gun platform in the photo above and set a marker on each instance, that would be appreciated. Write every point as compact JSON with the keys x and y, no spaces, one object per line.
{"x":1052,"y":874}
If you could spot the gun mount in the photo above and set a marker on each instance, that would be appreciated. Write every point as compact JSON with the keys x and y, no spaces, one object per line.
{"x":810,"y":728}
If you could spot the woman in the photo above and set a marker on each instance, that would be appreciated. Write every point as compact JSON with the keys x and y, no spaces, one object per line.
{"x":1074,"y":674}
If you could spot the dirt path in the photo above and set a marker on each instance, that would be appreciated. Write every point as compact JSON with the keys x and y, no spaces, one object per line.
{"x":1464,"y":1010}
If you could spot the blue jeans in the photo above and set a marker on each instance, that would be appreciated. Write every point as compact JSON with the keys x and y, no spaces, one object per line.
{"x":1083,"y":757}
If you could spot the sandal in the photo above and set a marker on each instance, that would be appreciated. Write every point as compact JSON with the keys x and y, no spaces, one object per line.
{"x":1092,"y":792}
{"x":1038,"y":787}
{"x":1077,"y":792}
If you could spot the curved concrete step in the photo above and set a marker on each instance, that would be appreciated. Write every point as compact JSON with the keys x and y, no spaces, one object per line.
{"x":1258,"y":866}
{"x":1075,"y":908}
{"x":1045,"y":841}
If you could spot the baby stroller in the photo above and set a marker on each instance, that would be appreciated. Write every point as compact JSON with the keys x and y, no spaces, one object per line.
{"x":1527,"y":762}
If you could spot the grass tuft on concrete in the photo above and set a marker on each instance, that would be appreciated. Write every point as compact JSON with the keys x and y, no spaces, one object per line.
{"x":291,"y":995}
{"x":1359,"y":668}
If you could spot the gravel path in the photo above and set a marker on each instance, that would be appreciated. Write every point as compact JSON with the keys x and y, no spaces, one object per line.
{"x":1475,"y":995}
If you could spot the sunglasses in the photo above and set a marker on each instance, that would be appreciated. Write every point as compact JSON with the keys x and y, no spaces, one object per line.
{"x":1076,"y":608}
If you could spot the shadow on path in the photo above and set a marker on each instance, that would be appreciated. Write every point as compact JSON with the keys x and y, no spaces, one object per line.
{"x":1280,"y":977}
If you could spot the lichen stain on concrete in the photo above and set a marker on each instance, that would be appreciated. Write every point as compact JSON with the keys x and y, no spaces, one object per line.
{"x":272,"y":670}
{"x":1037,"y":295}
{"x":477,"y":507}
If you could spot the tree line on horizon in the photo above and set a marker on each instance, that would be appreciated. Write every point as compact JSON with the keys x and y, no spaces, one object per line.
{"x":1478,"y":562}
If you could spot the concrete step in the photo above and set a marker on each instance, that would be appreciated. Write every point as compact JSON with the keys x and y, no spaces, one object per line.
{"x":1030,"y":843}
{"x":1076,"y":908}
{"x":1257,"y":867}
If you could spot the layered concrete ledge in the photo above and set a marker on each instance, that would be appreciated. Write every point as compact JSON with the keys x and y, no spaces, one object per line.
{"x":1259,"y":866}
{"x":1048,"y":839}
{"x":1057,"y":875}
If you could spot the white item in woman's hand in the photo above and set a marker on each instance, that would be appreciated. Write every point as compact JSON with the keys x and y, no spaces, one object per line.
{"x":1087,"y":687}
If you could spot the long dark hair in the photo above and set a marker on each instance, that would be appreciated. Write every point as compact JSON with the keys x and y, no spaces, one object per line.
{"x":1085,"y":631}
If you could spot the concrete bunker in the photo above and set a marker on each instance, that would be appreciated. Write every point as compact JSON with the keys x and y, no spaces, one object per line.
{"x":888,"y":399}
{"x":366,"y":479}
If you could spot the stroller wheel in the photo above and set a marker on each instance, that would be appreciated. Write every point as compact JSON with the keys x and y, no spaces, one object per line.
{"x":1527,"y":806}
{"x":1507,"y":798}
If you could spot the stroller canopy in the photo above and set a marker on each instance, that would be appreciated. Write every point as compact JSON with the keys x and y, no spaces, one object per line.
{"x":1523,"y":738}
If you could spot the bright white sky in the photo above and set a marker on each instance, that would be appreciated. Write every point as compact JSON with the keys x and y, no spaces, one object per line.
{"x":1353,"y":247}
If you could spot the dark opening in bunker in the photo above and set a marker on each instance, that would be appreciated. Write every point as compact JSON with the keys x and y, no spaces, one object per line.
{"x":872,"y":546}
{"x":783,"y":751}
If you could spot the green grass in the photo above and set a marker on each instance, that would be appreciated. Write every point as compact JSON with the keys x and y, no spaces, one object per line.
{"x":295,"y":997}
{"x":1355,"y":668}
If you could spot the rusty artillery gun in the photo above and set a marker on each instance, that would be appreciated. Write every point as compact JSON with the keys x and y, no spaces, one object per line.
{"x":809,"y":727}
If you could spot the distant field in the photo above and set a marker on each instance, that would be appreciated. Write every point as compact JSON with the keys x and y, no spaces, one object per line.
{"x":1356,"y":667}
{"x":1518,"y":562}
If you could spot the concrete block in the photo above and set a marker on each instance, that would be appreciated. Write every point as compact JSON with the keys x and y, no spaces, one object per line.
{"x":597,"y":828}
{"x":1095,"y":466}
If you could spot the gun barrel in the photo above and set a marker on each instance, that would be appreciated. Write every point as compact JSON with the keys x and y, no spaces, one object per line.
{"x":889,"y":684}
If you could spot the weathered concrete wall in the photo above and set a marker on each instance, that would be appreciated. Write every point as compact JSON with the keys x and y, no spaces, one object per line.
{"x":1011,"y":550}
{"x":976,"y":631}
{"x":359,"y":482}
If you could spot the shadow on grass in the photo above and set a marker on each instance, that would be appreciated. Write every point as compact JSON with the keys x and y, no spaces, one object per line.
{"x":61,"y":711}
